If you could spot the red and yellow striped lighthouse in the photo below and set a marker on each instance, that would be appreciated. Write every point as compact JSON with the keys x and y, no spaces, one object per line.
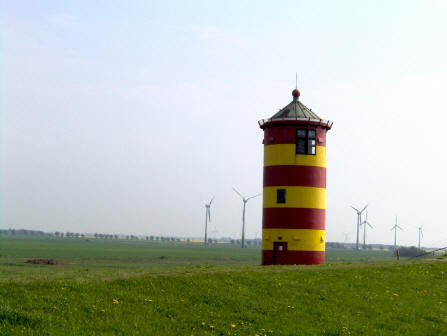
{"x":294,"y":197}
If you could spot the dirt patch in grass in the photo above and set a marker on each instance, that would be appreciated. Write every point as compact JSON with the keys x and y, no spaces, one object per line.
{"x":42,"y":261}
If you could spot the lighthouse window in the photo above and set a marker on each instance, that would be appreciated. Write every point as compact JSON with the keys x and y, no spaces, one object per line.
{"x":305,"y":142}
{"x":301,"y":133}
{"x":281,"y":196}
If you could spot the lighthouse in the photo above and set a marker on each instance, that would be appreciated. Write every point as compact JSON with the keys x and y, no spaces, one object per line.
{"x":294,"y":188}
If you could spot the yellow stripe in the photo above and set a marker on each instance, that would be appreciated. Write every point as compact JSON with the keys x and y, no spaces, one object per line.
{"x":296,"y":197}
{"x":297,"y":240}
{"x":284,"y":155}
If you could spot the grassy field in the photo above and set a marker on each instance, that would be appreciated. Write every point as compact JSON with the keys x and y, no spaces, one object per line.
{"x":104,"y":287}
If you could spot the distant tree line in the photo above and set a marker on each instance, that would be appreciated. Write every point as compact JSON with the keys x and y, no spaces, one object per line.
{"x":59,"y":234}
{"x":105,"y":236}
{"x":23,"y":232}
{"x":248,"y":242}
{"x":353,"y":246}
{"x":336,"y":245}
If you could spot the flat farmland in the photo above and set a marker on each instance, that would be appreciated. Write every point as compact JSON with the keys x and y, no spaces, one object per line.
{"x":120,"y":287}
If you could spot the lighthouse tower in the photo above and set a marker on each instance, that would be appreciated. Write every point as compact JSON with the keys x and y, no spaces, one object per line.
{"x":294,"y":197}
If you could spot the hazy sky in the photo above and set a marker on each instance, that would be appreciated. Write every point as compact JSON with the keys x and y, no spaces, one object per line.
{"x":126,"y":116}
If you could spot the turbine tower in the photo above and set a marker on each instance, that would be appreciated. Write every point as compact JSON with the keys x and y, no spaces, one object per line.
{"x":420,"y":235}
{"x":245,"y":200}
{"x":365,"y":223}
{"x":207,"y":218}
{"x":359,"y":221}
{"x":395,"y":227}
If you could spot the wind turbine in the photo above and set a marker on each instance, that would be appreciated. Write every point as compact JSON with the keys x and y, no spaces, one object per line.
{"x":359,"y":221}
{"x":245,"y":200}
{"x":207,"y":218}
{"x":395,"y":227}
{"x":365,"y":222}
{"x":420,"y":235}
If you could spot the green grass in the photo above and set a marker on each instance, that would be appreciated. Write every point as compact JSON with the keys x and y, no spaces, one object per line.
{"x":204,"y":291}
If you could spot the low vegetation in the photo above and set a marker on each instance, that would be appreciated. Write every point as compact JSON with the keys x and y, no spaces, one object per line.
{"x":409,"y":252}
{"x":126,"y":287}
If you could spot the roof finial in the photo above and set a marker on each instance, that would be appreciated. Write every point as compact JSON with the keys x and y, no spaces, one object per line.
{"x":296,"y":92}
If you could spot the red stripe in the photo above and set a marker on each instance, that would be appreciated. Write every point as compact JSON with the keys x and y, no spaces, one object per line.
{"x":286,"y":134}
{"x":306,"y":176}
{"x":294,"y":258}
{"x":293,"y":218}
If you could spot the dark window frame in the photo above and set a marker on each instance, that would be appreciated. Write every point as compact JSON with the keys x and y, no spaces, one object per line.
{"x":280,"y":196}
{"x":303,"y":145}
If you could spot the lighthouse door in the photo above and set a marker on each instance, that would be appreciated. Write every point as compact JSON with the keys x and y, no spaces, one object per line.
{"x":279,"y":253}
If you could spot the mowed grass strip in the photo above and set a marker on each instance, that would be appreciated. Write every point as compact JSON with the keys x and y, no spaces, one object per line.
{"x":375,"y":300}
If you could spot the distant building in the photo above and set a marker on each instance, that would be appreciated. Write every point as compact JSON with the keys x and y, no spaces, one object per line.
{"x":294,"y":196}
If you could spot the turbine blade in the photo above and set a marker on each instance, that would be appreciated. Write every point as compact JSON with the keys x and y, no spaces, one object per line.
{"x":254,"y":196}
{"x":392,"y":228}
{"x":399,"y":227}
{"x":370,"y":225}
{"x":211,"y":200}
{"x":364,"y":208}
{"x":237,"y":192}
{"x":354,"y":208}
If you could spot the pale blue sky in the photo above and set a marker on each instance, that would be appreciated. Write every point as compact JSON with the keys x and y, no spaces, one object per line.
{"x":127,"y":116}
